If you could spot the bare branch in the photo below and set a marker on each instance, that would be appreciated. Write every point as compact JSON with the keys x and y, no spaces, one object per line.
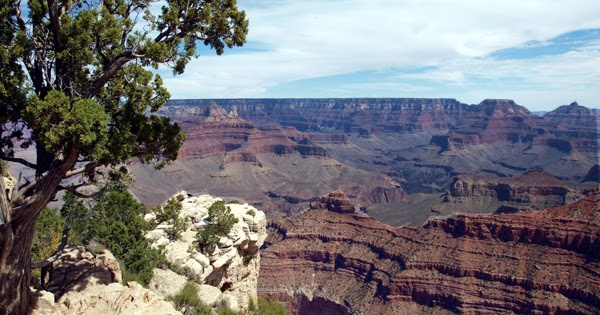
{"x":18,"y":160}
{"x":73,"y":190}
{"x":110,"y":72}
{"x":19,"y":197}
{"x":88,"y":167}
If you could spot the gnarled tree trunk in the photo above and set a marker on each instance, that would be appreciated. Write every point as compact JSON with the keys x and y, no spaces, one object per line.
{"x":15,"y":268}
{"x":16,"y":236}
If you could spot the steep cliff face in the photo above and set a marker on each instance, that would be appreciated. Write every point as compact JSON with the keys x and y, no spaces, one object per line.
{"x":534,"y":190}
{"x":281,"y":154}
{"x":345,"y":115}
{"x":540,"y":263}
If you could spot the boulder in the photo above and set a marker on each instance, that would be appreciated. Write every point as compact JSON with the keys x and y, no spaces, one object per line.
{"x":209,"y":295}
{"x":77,"y":267}
{"x":166,"y":282}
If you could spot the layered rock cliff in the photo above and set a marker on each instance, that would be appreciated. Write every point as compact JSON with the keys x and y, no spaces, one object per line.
{"x":325,"y":262}
{"x":282,"y":154}
{"x":534,"y":190}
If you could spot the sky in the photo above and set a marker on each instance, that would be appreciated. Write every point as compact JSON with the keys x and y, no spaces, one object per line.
{"x":540,"y":53}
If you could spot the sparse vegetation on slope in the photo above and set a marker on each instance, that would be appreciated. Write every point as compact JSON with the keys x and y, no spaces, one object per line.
{"x":170,"y":214}
{"x":220,"y":222}
{"x":116,"y":222}
{"x":188,"y":302}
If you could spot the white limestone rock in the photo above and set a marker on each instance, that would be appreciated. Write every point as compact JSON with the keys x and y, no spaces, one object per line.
{"x":209,"y":295}
{"x":229,"y":301}
{"x":225,"y":263}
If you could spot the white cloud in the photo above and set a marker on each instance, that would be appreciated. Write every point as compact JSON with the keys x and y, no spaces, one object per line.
{"x":309,"y":39}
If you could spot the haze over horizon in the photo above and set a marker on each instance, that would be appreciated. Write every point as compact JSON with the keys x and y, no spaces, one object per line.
{"x":539,"y":54}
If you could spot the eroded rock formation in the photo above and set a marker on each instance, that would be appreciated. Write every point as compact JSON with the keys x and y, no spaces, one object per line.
{"x":545,"y":262}
{"x":81,"y":282}
{"x":85,"y":283}
{"x":534,"y":190}
{"x":282,"y":154}
{"x":232,"y":267}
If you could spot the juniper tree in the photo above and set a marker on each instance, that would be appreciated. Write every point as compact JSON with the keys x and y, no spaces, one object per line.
{"x":76,"y":86}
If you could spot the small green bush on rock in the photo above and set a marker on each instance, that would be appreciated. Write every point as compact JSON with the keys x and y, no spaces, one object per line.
{"x":220,"y":222}
{"x":170,"y":214}
{"x":266,"y":307}
{"x":188,"y":302}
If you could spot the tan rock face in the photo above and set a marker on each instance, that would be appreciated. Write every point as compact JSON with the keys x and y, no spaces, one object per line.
{"x":114,"y":299}
{"x":77,"y":268}
{"x":545,"y":262}
{"x":232,"y":267}
{"x":9,"y":184}
{"x":84,"y":283}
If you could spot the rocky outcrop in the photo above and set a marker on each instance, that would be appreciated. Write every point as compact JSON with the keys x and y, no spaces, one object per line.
{"x":231,"y":267}
{"x":336,"y":202}
{"x":113,"y":298}
{"x":9,"y":184}
{"x":81,"y":282}
{"x":534,"y":190}
{"x":77,"y":267}
{"x":593,"y":175}
{"x":545,"y":262}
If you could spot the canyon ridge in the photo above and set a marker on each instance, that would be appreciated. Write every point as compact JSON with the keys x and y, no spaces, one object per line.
{"x":401,"y":161}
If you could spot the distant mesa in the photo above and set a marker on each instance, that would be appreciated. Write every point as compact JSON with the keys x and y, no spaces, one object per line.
{"x":534,"y":190}
{"x":336,"y":202}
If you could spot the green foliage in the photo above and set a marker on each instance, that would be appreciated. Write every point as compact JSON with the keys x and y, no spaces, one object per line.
{"x":266,"y":307}
{"x":220,"y":222}
{"x":187,"y":298}
{"x":75,"y":75}
{"x":76,"y":216}
{"x":170,"y":214}
{"x":60,"y":122}
{"x":47,"y":236}
{"x":246,"y":259}
{"x":207,"y":238}
{"x":220,"y":218}
{"x":116,"y":220}
{"x":227,"y":311}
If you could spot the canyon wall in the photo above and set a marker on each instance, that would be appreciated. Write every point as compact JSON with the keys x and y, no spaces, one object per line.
{"x":328,"y":261}
{"x":282,"y":154}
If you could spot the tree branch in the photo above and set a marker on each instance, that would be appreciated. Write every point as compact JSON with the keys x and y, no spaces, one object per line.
{"x":18,"y":160}
{"x":44,"y":189}
{"x":73,"y":190}
{"x":88,"y":167}
{"x":22,"y":191}
{"x":115,"y":65}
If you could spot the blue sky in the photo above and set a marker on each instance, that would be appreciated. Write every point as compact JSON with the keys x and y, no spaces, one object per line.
{"x":540,"y":53}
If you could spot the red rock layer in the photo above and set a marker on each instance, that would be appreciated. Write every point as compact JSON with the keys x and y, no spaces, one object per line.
{"x":534,"y":190}
{"x":547,"y":262}
{"x":211,"y":130}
